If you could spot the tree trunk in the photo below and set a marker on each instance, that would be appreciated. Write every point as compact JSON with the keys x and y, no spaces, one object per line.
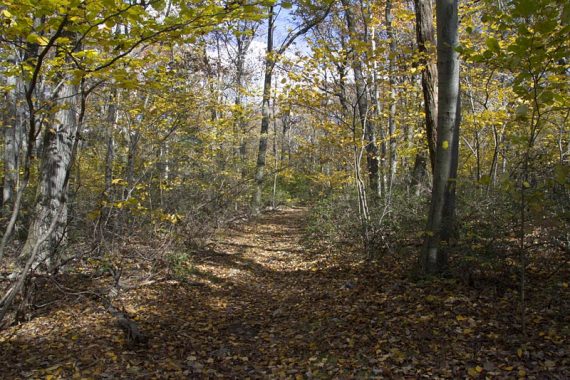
{"x":242,"y":46}
{"x":375,"y":98}
{"x":262,"y":152}
{"x":392,"y":96}
{"x":55,"y":163}
{"x":270,"y":59}
{"x":449,"y":229}
{"x":418,"y":172}
{"x":10,"y":145}
{"x":362,"y":103}
{"x":110,"y":153}
{"x":14,"y":136}
{"x":426,"y":45}
{"x":107,"y":196}
{"x":433,"y":258}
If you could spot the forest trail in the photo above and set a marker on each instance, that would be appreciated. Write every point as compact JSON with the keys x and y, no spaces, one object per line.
{"x":260,"y":304}
{"x":255,"y":303}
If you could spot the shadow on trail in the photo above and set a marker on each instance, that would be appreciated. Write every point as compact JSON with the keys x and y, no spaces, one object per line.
{"x":260,"y":305}
{"x":254,"y":314}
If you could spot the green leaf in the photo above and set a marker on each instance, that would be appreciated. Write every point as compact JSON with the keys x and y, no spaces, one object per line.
{"x":493,"y":44}
{"x":525,"y":8}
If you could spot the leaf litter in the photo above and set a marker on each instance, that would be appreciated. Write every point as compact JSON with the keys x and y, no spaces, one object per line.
{"x":259,"y":304}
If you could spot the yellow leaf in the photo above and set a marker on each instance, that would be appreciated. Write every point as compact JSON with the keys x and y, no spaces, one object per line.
{"x":42,"y":40}
{"x":522,"y":373}
{"x":445,"y":144}
{"x":461,"y":317}
{"x":519,"y":352}
{"x":473,"y":372}
{"x":53,"y":368}
{"x":6,"y":13}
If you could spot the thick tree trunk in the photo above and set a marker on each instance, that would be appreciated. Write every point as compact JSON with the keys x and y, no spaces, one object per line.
{"x":449,"y":228}
{"x":426,"y":46}
{"x":55,"y":163}
{"x":363,"y":109}
{"x":434,"y":259}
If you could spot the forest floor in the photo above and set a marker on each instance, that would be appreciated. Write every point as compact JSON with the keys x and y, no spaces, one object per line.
{"x":258,"y":303}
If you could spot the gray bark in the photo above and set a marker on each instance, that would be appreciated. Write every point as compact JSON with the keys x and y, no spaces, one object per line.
{"x":243,"y":42}
{"x":55,"y":163}
{"x":418,"y":172}
{"x":433,"y":258}
{"x":14,"y":120}
{"x":110,"y":153}
{"x":392,"y":97}
{"x":449,"y":228}
{"x":426,"y":44}
{"x":363,"y":107}
{"x":262,"y":152}
{"x":10,"y":145}
{"x":375,"y":98}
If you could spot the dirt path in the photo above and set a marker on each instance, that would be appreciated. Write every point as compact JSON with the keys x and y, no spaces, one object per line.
{"x":258,"y":304}
{"x":267,"y":303}
{"x":253,"y":304}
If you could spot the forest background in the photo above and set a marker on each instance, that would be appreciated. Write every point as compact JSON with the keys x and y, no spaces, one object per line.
{"x":431,"y":136}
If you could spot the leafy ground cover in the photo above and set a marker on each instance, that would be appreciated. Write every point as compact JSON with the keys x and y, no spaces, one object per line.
{"x":259,"y":304}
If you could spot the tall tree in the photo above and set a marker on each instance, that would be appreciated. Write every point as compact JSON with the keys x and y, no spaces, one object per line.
{"x":56,"y":158}
{"x":392,"y":93}
{"x":434,"y":259}
{"x":268,"y":75}
{"x":241,"y":40}
{"x":12,"y":126}
{"x":425,"y":36}
{"x":271,"y":57}
{"x":362,"y":101}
